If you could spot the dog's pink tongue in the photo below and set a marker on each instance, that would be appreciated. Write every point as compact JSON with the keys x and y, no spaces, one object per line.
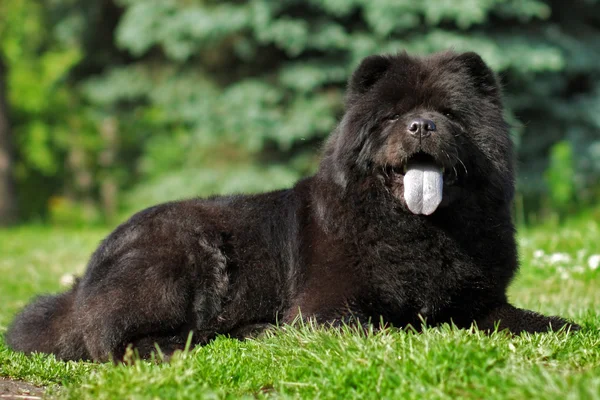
{"x":423,"y":186}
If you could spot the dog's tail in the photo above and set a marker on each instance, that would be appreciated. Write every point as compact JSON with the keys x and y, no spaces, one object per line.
{"x":48,"y":325}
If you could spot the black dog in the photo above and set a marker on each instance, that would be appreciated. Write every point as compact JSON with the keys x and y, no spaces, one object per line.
{"x":408,"y":217}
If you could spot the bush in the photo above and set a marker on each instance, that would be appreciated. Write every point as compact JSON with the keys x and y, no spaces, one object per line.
{"x":233,"y":86}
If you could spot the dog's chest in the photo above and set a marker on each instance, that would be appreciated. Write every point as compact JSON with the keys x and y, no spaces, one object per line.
{"x":418,"y":271}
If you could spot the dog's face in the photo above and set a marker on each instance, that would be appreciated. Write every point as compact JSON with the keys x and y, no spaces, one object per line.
{"x":425,"y":127}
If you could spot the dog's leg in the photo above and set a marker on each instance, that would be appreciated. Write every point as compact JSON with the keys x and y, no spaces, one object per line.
{"x":518,"y":320}
{"x":250,"y":331}
{"x":153,"y":292}
{"x":111,"y":322}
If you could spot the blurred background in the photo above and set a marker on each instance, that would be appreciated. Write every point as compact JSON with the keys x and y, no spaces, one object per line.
{"x":109,"y":106}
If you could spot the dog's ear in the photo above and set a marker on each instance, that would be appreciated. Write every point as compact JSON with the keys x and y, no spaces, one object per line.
{"x":484,"y":78}
{"x":370,"y":70}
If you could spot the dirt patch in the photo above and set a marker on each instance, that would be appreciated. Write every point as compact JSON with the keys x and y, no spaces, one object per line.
{"x":13,"y":390}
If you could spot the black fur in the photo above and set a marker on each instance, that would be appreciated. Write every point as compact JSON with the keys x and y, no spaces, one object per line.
{"x":336,"y":246}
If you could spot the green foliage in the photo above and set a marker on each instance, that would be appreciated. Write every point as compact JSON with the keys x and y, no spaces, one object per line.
{"x":235,"y":86}
{"x":187,"y":183}
{"x":274,"y":72}
{"x":39,"y":104}
{"x":55,"y":137}
{"x":560,"y":176}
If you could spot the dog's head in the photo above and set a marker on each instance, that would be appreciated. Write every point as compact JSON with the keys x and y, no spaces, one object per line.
{"x":424,"y":127}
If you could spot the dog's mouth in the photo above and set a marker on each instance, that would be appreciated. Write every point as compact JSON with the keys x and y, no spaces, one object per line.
{"x":423,"y":180}
{"x":449,"y":173}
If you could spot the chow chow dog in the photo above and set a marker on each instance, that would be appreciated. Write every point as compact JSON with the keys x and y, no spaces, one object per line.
{"x":408,"y":219}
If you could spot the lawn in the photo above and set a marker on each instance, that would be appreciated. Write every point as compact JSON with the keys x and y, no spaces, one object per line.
{"x":560,"y":274}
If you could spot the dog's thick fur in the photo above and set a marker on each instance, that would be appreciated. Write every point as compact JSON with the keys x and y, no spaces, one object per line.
{"x":340,"y":246}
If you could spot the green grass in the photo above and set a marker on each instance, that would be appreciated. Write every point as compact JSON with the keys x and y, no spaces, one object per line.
{"x":557,"y":277}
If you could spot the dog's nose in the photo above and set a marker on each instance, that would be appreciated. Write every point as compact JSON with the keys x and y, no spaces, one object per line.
{"x":421,"y":126}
